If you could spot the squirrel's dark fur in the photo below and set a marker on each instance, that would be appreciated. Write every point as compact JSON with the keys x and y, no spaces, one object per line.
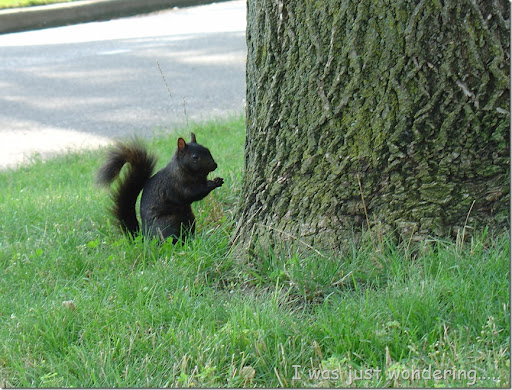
{"x":166,"y":197}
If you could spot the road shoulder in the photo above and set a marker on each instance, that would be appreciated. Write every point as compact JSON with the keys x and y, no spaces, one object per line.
{"x":61,"y":14}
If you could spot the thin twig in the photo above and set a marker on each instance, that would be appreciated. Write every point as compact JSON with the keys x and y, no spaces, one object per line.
{"x":165,"y":81}
{"x":365,"y":211}
{"x":342,"y":279}
{"x":364,"y":203}
{"x":185,"y":110}
{"x":465,"y":224}
{"x":294,"y":237}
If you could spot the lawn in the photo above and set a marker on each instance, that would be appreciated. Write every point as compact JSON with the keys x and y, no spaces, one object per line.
{"x":28,"y":3}
{"x":83,"y":306}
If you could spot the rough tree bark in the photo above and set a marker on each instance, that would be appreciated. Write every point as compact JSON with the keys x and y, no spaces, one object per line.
{"x":402,"y":103}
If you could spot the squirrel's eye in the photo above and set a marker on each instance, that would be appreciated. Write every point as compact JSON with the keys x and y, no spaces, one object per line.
{"x":195,"y":157}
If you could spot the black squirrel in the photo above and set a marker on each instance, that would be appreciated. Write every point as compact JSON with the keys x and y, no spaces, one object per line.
{"x":166,"y":196}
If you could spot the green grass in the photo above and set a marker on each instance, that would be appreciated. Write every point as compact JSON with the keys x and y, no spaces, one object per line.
{"x":28,"y":3}
{"x":194,"y":314}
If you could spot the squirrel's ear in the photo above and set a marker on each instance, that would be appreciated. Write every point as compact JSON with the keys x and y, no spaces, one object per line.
{"x":181,"y":144}
{"x":192,"y":137}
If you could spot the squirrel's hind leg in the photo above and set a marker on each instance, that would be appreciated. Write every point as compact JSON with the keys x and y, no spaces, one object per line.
{"x":170,"y":226}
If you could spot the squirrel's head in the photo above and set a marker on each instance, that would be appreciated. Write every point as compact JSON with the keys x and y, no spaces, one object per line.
{"x":195,"y":157}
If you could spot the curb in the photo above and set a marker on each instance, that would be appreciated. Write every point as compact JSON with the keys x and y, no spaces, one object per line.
{"x":81,"y":11}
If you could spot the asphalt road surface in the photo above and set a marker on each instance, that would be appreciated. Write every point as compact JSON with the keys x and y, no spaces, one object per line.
{"x":84,"y":85}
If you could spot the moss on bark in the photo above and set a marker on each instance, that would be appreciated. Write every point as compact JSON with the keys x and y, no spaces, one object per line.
{"x":408,"y":101}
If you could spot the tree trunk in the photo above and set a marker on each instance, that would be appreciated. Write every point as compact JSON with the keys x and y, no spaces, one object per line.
{"x":393,"y":113}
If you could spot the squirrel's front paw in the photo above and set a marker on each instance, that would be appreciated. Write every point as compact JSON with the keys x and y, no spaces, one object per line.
{"x":218,"y":181}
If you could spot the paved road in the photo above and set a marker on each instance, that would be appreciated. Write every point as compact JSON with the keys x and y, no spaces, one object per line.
{"x":82,"y":85}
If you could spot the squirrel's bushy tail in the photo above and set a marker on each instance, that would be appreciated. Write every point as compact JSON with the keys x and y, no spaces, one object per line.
{"x":140,"y":168}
